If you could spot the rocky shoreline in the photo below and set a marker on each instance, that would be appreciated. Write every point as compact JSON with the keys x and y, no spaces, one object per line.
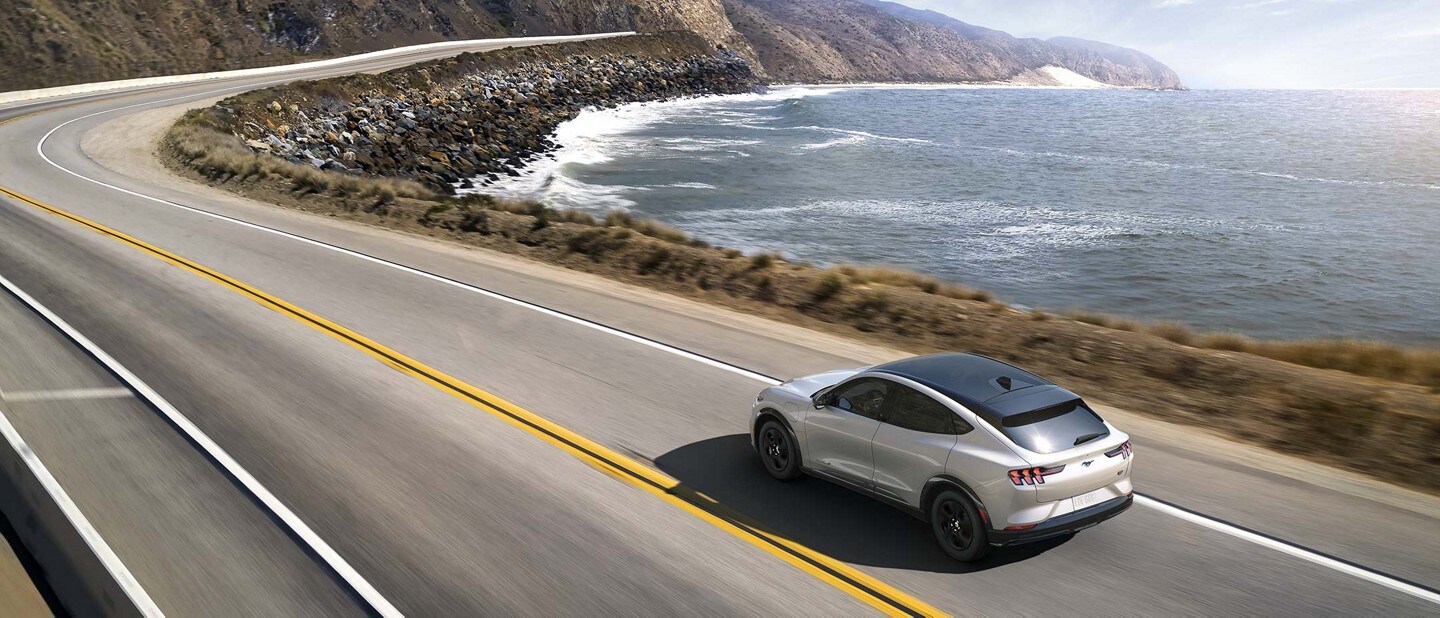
{"x":444,"y":133}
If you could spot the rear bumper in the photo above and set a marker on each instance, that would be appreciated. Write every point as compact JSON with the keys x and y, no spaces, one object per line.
{"x":1064,"y":524}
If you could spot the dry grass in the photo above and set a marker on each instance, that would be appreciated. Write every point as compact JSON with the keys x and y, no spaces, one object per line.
{"x":1172,"y":331}
{"x":1367,"y":358}
{"x":910,"y":279}
{"x":1105,"y":320}
{"x":648,"y":227}
{"x":222,"y":156}
{"x":1229,"y":342}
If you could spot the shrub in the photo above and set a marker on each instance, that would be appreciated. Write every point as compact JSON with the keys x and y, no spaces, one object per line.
{"x":648,"y":227}
{"x":597,"y":242}
{"x":653,"y":260}
{"x":872,"y":301}
{"x":478,"y":222}
{"x":761,"y":261}
{"x":980,"y":295}
{"x":829,"y":286}
{"x":765,"y":289}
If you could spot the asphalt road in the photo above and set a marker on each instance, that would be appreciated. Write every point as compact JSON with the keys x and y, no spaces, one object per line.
{"x":446,"y":505}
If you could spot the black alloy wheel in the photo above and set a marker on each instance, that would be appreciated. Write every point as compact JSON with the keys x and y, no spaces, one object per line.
{"x":958,"y":526}
{"x":778,"y":451}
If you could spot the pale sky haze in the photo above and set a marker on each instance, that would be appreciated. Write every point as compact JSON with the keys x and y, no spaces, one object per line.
{"x":1241,"y":43}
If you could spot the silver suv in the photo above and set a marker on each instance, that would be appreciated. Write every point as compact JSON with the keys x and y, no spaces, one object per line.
{"x":987,"y":453}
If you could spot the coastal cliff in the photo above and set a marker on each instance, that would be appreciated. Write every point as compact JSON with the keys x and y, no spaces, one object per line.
{"x":46,"y":43}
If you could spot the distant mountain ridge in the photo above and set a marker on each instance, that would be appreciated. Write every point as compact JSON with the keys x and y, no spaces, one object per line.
{"x":50,"y":43}
{"x":1123,"y":56}
{"x":877,"y":40}
{"x":937,"y":18}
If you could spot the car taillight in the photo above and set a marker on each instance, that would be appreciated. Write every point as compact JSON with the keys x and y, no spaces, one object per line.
{"x":1123,"y":451}
{"x":1031,"y":476}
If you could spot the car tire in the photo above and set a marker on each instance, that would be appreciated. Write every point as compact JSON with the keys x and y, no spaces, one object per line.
{"x":958,"y":527}
{"x":778,"y":451}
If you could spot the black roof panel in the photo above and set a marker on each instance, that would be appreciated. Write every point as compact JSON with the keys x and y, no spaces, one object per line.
{"x":973,"y":380}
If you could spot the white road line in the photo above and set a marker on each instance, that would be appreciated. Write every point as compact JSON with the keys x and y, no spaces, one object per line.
{"x":1292,"y":550}
{"x":117,"y":569}
{"x":297,"y":526}
{"x":72,"y":394}
{"x":1289,"y":548}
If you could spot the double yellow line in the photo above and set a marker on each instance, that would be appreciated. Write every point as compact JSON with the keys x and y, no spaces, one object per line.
{"x":838,"y":574}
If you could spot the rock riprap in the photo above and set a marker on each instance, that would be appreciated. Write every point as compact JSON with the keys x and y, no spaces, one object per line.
{"x":482,"y":125}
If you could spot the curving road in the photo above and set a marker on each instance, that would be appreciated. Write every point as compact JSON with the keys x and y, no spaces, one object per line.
{"x":268,"y":413}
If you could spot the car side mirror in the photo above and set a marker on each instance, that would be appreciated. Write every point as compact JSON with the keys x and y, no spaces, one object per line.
{"x":821,"y":400}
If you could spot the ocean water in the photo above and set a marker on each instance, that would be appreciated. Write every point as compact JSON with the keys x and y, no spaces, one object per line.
{"x":1284,"y":214}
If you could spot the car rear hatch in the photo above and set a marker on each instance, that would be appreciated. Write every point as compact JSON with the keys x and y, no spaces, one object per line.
{"x":1055,"y":428}
{"x":1086,"y":469}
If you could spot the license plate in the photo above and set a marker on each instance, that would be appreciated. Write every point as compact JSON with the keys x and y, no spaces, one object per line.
{"x":1083,"y":500}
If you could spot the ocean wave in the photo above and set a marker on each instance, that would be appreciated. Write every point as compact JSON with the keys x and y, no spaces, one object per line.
{"x":1207,"y":168}
{"x":838,"y":131}
{"x":702,"y":144}
{"x":990,"y":218}
{"x":865,"y":134}
{"x":691,"y":185}
{"x":839,"y":141}
{"x":594,"y":136}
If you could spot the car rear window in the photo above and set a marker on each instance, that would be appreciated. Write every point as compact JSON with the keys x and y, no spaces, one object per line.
{"x":1054,"y":428}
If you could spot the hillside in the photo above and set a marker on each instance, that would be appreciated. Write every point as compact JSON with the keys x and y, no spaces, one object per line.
{"x":1122,"y":56}
{"x":1131,"y":66}
{"x":870,"y":40}
{"x":55,"y":42}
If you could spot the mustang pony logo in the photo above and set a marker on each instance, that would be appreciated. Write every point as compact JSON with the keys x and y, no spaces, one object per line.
{"x":1087,"y":464}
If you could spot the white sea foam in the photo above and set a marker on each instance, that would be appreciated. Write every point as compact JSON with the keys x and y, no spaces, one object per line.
{"x":865,"y":135}
{"x":696,"y":144}
{"x":839,"y":141}
{"x":595,"y":136}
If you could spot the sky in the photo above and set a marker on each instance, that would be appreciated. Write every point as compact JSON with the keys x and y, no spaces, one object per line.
{"x":1241,"y":43}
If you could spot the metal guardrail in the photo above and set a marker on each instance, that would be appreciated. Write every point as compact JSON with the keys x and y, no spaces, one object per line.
{"x":85,"y":575}
{"x":44,"y":93}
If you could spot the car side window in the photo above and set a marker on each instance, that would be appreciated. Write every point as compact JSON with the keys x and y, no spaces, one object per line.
{"x":865,"y":397}
{"x":910,"y":409}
